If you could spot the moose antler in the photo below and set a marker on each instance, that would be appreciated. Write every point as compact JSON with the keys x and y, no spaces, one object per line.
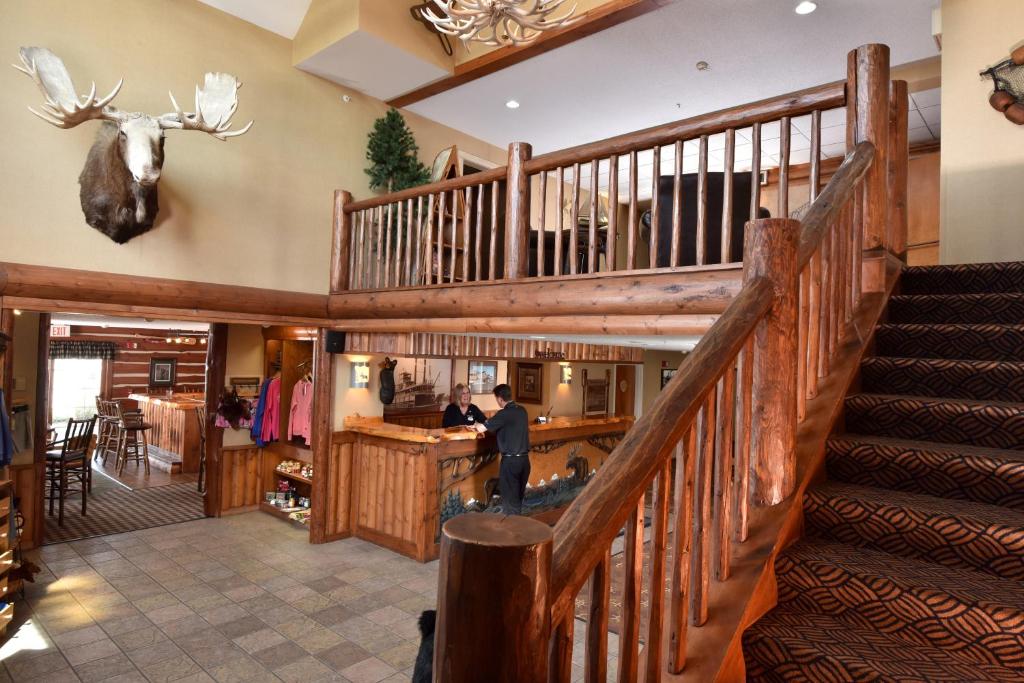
{"x":62,"y":107}
{"x":215,"y":105}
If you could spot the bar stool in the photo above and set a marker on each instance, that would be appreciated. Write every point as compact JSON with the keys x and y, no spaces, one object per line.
{"x":132,"y":435}
{"x":69,"y":464}
{"x":106,"y":440}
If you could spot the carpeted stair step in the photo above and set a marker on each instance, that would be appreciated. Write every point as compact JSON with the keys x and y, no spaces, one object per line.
{"x":970,"y":309}
{"x":983,"y":475}
{"x":988,"y":424}
{"x":952,"y":533}
{"x":975,"y":617}
{"x":789,"y":645}
{"x":967,"y":278}
{"x":972,"y":379}
{"x":963,"y":342}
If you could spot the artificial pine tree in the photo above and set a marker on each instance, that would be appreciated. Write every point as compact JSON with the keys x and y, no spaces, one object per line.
{"x":391,"y":152}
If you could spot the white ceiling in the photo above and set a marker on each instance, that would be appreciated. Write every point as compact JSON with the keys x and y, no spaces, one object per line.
{"x":642,"y":73}
{"x":283,"y":17}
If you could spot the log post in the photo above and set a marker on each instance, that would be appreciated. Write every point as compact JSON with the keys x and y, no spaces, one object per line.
{"x":323,"y":407}
{"x":41,"y":423}
{"x":493,"y":618}
{"x":216,"y":367}
{"x":7,"y":354}
{"x":517,"y":212}
{"x":899,"y":168}
{"x":770,"y":251}
{"x":867,"y":118}
{"x":340,"y":242}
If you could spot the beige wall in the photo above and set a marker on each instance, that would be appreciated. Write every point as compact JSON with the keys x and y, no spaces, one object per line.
{"x":255,"y":210}
{"x":982,"y":169}
{"x":654,"y":361}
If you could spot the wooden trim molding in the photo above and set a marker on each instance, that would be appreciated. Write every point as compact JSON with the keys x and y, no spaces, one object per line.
{"x":607,"y":15}
{"x":457,"y":346}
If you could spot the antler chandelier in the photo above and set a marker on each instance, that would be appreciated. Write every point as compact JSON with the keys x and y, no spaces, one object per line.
{"x":498,"y":22}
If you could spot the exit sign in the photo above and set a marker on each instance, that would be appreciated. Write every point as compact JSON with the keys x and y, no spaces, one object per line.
{"x":60,"y":330}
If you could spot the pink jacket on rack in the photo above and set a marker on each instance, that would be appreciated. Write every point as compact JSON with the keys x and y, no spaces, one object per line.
{"x":301,"y":415}
{"x":271,"y":426}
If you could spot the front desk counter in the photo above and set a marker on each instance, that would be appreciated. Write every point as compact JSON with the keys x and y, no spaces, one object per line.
{"x":394,"y":485}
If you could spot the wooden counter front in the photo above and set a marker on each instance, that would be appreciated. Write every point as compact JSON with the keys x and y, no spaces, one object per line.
{"x":175,"y":427}
{"x":389,"y":482}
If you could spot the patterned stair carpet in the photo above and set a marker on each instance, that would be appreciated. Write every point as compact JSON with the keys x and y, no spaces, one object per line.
{"x":113,"y":509}
{"x":912,"y":568}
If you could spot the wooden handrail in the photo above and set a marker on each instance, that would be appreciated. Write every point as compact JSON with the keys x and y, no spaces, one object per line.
{"x":583,"y":533}
{"x":831,"y":201}
{"x":460,"y":183}
{"x":797,"y":103}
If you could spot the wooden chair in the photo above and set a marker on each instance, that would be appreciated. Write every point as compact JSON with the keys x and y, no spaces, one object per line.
{"x":132,"y":442}
{"x":201,"y":418}
{"x":69,"y":464}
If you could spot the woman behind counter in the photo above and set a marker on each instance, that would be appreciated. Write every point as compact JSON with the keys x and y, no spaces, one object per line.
{"x":461,"y":410}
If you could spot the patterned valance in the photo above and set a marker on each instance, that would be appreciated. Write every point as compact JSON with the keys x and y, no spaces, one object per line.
{"x":82,"y":349}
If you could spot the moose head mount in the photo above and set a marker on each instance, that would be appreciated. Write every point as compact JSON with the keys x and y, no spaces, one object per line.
{"x":118,"y":183}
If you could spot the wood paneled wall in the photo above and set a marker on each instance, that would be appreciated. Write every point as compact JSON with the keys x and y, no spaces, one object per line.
{"x":460,"y":346}
{"x":339,"y":491}
{"x":135,"y":348}
{"x":240,"y":480}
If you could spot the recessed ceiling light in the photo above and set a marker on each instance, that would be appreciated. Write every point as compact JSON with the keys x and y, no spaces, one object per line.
{"x":512,"y":104}
{"x":805,"y":7}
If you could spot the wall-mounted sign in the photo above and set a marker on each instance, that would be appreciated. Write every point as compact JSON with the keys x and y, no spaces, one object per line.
{"x":549,"y":354}
{"x":60,"y":330}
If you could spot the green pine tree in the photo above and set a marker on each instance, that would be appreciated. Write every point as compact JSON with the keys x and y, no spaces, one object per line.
{"x":391,"y":152}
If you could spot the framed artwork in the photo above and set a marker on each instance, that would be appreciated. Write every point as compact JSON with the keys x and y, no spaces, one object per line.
{"x":162,"y":372}
{"x":529,"y":382}
{"x":422,"y":385}
{"x":595,"y":395}
{"x":666,"y":375}
{"x":483,"y":376}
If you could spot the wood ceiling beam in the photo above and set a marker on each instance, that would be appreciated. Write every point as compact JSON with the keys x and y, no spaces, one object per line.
{"x":605,"y":16}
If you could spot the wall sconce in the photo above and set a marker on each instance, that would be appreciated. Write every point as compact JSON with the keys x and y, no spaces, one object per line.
{"x":360,"y":374}
{"x":566,"y":377}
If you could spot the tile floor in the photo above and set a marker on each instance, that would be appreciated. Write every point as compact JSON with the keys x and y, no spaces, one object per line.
{"x":242,"y":598}
{"x":237,"y":599}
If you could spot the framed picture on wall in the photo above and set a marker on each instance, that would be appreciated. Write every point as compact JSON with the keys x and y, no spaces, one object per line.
{"x":162,"y":372}
{"x":529,"y":382}
{"x":666,"y":375}
{"x":483,"y":376}
{"x":595,"y":395}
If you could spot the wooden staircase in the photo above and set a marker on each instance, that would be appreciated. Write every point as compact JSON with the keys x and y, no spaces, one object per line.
{"x":912,"y":567}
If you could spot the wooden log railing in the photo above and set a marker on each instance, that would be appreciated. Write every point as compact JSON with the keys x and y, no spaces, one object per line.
{"x":512,"y":223}
{"x":719,"y":440}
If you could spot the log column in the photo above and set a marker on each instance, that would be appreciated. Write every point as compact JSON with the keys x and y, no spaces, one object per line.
{"x":770,"y":251}
{"x":867,"y":118}
{"x":493,"y":618}
{"x":41,"y":422}
{"x":323,"y":377}
{"x":517,"y":213}
{"x":7,"y":353}
{"x":216,"y":366}
{"x":899,"y":168}
{"x":342,"y":235}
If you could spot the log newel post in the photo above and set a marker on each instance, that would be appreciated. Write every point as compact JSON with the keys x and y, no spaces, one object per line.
{"x":216,"y":367}
{"x":323,"y":409}
{"x":517,"y":212}
{"x":493,"y":614}
{"x":340,"y":240}
{"x":899,"y":168}
{"x":770,"y":251}
{"x":867,"y":118}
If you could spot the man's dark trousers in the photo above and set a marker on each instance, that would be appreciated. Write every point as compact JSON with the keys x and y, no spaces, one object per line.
{"x":513,"y":474}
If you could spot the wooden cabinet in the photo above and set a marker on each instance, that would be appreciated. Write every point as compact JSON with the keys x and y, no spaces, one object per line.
{"x":7,"y":545}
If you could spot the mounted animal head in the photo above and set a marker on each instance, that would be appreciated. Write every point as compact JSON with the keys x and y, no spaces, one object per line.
{"x":119,"y":179}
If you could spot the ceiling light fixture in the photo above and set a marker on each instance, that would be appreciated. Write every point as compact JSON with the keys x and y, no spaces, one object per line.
{"x":512,"y":104}
{"x":497,"y":22}
{"x":805,"y":7}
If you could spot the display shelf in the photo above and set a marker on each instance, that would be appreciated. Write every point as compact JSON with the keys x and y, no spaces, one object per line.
{"x":281,"y":514}
{"x":288,"y":451}
{"x":293,"y":477}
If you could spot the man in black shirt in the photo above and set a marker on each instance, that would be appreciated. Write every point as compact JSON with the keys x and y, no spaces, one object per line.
{"x":511,"y":425}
